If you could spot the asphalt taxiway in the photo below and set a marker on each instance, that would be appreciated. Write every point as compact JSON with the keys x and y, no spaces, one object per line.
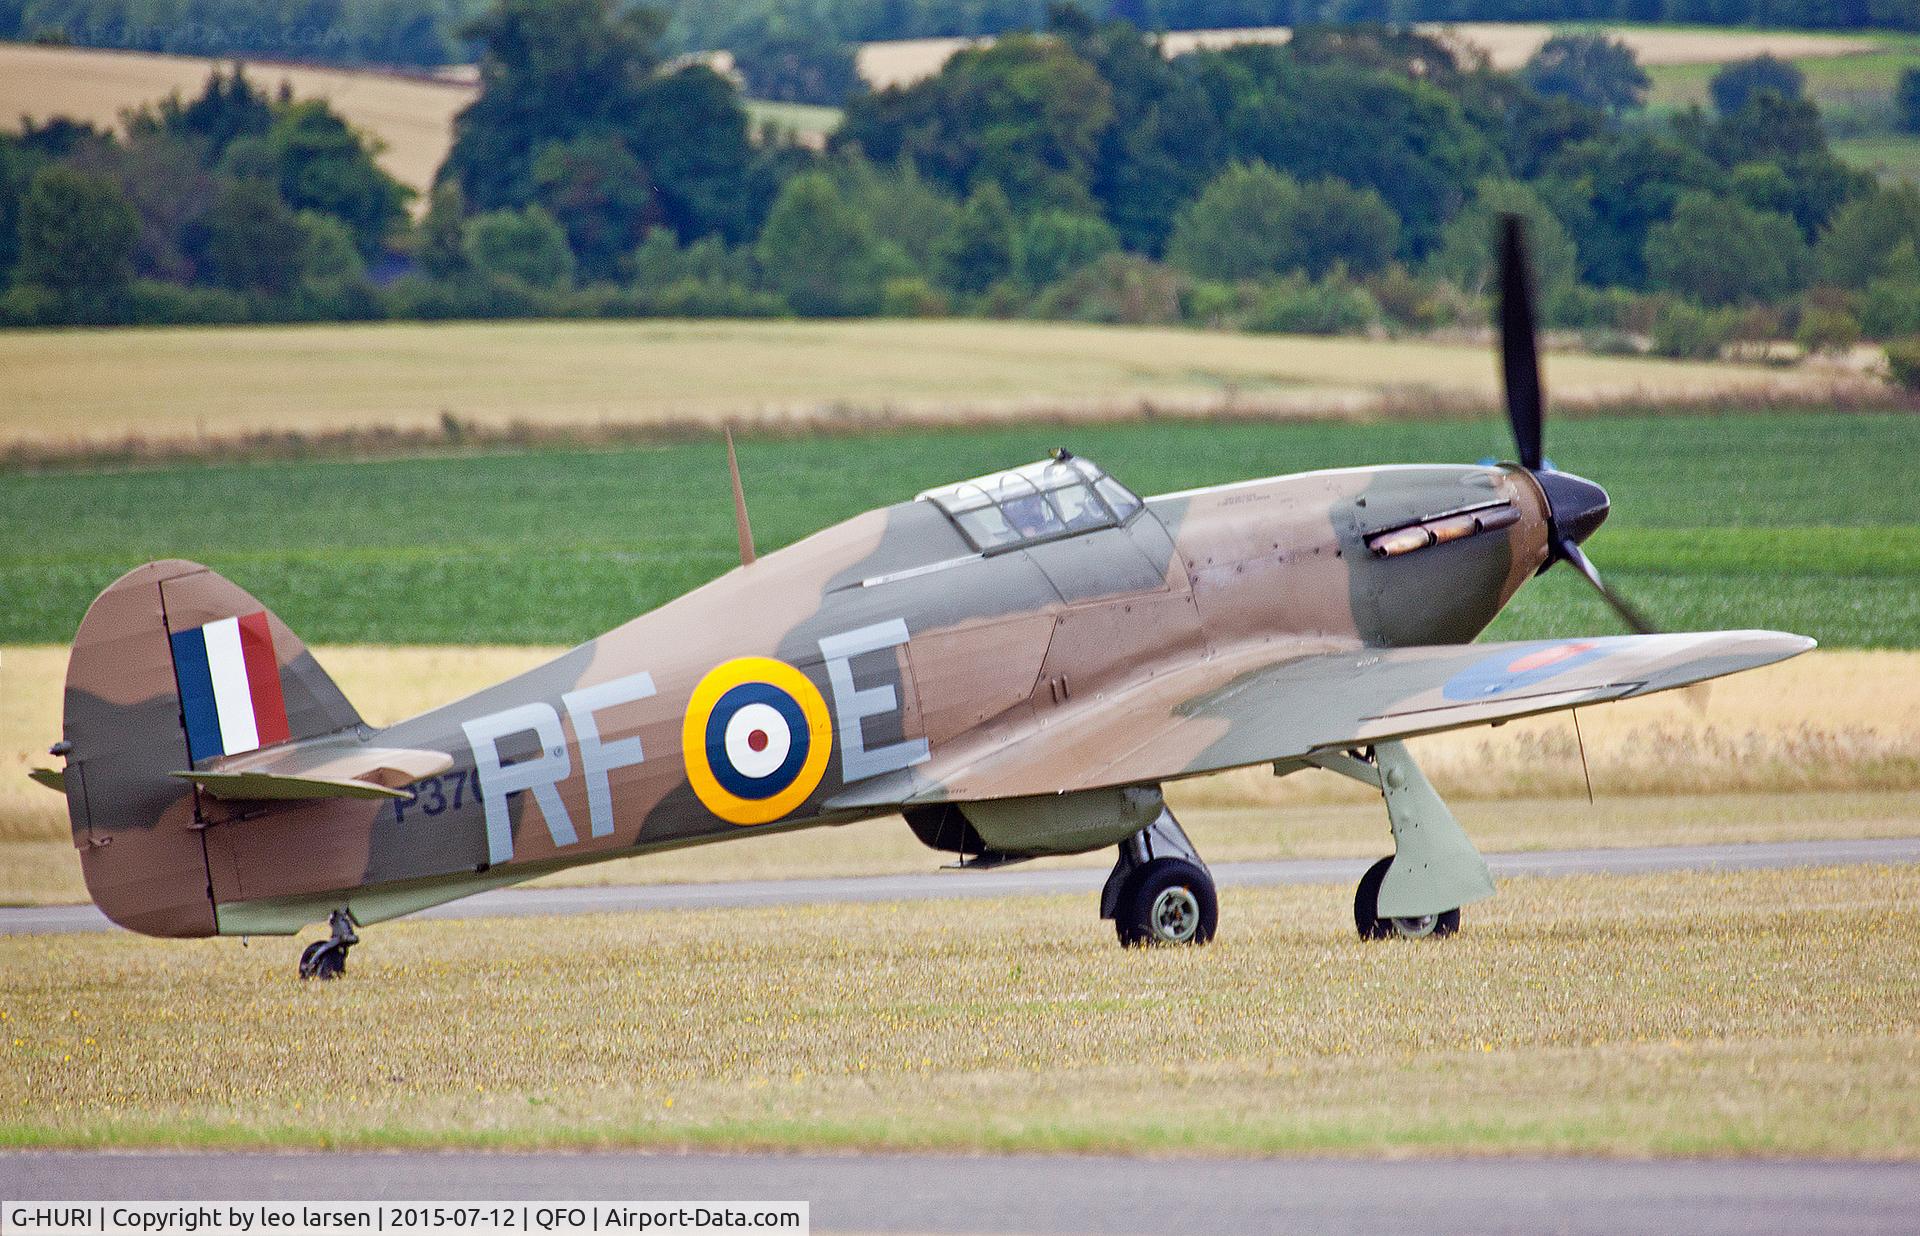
{"x":1035,"y":1193}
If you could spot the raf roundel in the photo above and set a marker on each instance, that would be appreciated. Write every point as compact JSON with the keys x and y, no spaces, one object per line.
{"x":756,"y":739}
{"x":1512,"y":669}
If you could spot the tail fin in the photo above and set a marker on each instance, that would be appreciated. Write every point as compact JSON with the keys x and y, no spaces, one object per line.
{"x":173,"y":667}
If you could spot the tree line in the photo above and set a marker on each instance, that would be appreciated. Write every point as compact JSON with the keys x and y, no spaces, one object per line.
{"x":777,"y":32}
{"x":1346,"y":181}
{"x":819,"y":24}
{"x":389,"y":32}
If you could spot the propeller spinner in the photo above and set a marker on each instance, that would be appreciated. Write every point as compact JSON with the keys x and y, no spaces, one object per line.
{"x":1576,"y":507}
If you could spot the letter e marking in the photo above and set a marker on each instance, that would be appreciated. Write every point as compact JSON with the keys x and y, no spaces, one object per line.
{"x":852,"y":705}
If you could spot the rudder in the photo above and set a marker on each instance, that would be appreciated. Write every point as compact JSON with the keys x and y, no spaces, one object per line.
{"x":173,"y":668}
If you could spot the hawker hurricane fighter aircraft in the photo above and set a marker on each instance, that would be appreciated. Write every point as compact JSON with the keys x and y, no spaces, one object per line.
{"x":1016,"y":664}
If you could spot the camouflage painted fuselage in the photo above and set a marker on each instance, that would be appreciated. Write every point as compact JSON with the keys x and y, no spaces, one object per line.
{"x":874,"y":663}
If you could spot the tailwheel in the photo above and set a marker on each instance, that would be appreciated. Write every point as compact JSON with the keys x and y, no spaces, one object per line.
{"x":327,"y":959}
{"x":1167,"y":901}
{"x":1367,"y":921}
{"x":320,"y":960}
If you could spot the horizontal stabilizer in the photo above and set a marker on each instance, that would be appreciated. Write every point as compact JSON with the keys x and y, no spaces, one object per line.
{"x":256,"y":785}
{"x":52,"y":778}
{"x":292,"y":774}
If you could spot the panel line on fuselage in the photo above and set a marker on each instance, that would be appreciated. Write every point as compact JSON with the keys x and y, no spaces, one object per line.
{"x":1250,"y":482}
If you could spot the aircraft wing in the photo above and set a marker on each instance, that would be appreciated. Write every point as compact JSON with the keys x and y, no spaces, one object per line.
{"x":1215,"y":715}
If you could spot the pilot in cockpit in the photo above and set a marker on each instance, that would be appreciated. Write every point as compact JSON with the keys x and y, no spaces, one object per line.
{"x":1029,"y":516}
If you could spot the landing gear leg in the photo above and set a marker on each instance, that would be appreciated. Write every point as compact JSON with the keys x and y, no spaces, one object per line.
{"x":1434,"y":869}
{"x":327,"y":959}
{"x":1160,"y":892}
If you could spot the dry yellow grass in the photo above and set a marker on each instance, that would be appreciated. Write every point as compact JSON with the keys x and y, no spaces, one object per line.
{"x":1831,"y":721}
{"x":40,"y":873}
{"x":386,"y":684}
{"x":79,"y":388}
{"x":1844,"y":725}
{"x":901,"y":62}
{"x":1507,"y":44}
{"x":1774,"y":1012}
{"x":412,"y":116}
{"x":1510,"y":45}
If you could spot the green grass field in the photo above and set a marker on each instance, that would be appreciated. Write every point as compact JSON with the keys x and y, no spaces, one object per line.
{"x":1854,"y":92}
{"x":1831,"y":81}
{"x":808,"y":121}
{"x":1752,"y":1013}
{"x":1794,"y":521}
{"x":1894,"y":156}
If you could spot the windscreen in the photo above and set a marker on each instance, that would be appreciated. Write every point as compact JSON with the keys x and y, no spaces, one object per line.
{"x":1037,"y":502}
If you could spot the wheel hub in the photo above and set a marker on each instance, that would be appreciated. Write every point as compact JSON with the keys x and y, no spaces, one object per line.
{"x":1175,"y":916}
{"x":1414,"y":928}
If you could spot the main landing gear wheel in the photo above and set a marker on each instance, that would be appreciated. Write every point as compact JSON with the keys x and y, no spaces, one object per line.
{"x":1167,"y":901}
{"x":1367,"y":921}
{"x":327,"y":959}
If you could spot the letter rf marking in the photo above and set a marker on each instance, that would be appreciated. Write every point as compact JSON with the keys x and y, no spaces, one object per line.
{"x":541,"y":774}
{"x":597,"y":758}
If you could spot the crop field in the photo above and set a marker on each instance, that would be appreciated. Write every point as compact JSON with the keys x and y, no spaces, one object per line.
{"x":1826,"y":721}
{"x":1762,"y":762}
{"x":1854,"y":92}
{"x":1825,"y":746}
{"x":1781,"y":520}
{"x":1774,"y":1013}
{"x":1869,"y":67}
{"x":1507,"y":44}
{"x":810,"y":122}
{"x":1894,"y":156}
{"x":79,"y":390}
{"x":1511,"y":44}
{"x":411,"y":114}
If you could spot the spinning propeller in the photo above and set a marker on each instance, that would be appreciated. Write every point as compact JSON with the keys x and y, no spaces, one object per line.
{"x":1576,"y":507}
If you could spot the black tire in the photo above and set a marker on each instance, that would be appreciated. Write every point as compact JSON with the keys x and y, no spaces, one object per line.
{"x":1367,"y":921}
{"x":1366,"y":899}
{"x":1168,"y":901}
{"x":318,"y":961}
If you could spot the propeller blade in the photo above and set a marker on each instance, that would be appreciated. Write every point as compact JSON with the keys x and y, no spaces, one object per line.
{"x":1581,"y":563}
{"x":1519,"y":351}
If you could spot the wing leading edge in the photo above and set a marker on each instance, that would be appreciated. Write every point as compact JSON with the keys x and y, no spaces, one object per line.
{"x":1227,"y":713}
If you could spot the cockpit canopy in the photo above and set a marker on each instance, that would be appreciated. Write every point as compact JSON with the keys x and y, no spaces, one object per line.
{"x":1056,"y":497}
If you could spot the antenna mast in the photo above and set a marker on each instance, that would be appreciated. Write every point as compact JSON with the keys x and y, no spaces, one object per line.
{"x":739,"y":504}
